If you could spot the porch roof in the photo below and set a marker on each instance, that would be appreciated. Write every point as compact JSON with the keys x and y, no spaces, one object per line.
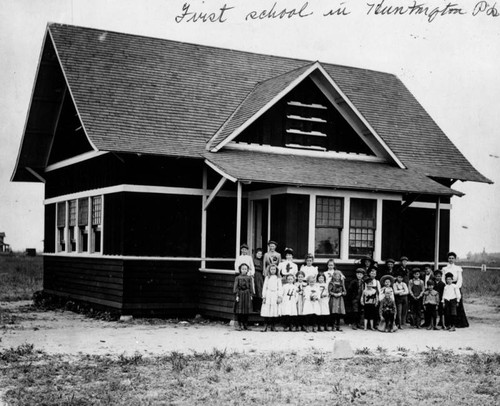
{"x":249,"y":166}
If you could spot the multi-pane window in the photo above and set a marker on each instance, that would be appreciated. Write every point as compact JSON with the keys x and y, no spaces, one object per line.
{"x":72,"y":225}
{"x":79,"y":225}
{"x":329,"y":222}
{"x":362,"y":227}
{"x":61,"y":226}
{"x":83,"y":221}
{"x":96,"y":223}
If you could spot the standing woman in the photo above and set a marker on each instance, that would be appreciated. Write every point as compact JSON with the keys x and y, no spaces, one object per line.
{"x":243,"y":290}
{"x":271,"y":256}
{"x":457,"y":271}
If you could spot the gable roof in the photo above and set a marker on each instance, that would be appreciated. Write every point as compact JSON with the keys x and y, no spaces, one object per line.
{"x":155,"y":96}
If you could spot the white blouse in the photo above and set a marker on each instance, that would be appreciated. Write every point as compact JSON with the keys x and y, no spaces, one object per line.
{"x":456,"y":271}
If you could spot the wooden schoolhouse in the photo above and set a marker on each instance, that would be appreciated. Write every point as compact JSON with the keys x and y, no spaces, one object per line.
{"x":160,"y":158}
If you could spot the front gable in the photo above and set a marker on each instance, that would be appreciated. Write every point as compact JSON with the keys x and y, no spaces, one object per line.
{"x":300,"y":112}
{"x":304,"y":119}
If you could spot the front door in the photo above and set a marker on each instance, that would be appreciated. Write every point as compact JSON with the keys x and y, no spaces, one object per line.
{"x":260,"y":224}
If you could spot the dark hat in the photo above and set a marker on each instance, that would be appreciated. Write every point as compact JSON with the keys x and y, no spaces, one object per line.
{"x":309,"y":256}
{"x":272,"y":242}
{"x":427,"y":266}
{"x":448,"y":275}
{"x":361,"y":270}
{"x":288,"y":251}
{"x":438,"y":272}
{"x":452,"y":254}
{"x":403,"y":259}
{"x":390,"y":260}
{"x":415,"y":270}
{"x":385,"y":277}
{"x":366,"y":258}
{"x":243,"y":246}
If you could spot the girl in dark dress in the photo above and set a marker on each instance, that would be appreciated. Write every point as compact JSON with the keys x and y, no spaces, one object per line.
{"x":258,"y":279}
{"x":243,"y":289}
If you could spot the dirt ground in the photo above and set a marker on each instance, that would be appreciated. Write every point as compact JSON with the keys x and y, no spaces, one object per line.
{"x":63,"y":332}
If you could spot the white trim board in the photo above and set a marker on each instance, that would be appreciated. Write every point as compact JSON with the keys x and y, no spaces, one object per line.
{"x":262,"y":194}
{"x":76,"y":159}
{"x":269,"y":149}
{"x":133,"y":257}
{"x":430,"y":205}
{"x":137,"y":189}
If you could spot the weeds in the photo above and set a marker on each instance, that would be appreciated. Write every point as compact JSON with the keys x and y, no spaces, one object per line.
{"x":381,"y":350}
{"x":133,"y":359}
{"x":437,"y":356}
{"x":363,"y":351}
{"x":15,"y":354}
{"x":20,"y":277}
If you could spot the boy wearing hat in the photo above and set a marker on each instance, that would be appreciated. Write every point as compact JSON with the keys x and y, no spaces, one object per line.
{"x":387,"y":310}
{"x":401,"y":298}
{"x":416,"y":288}
{"x":244,"y":258}
{"x":389,"y":267}
{"x":431,"y":301}
{"x":450,"y":300}
{"x":439,"y":286}
{"x":354,"y":294}
{"x":404,"y":269}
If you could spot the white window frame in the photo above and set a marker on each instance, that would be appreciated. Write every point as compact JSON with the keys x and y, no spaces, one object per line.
{"x":90,"y":235}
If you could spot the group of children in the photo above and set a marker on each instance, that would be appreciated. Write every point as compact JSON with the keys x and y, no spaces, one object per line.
{"x":309,"y":300}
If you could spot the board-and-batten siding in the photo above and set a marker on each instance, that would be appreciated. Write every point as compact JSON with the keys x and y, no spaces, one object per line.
{"x":98,"y":281}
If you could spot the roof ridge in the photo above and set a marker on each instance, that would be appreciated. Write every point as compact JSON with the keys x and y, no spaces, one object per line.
{"x":324,"y":63}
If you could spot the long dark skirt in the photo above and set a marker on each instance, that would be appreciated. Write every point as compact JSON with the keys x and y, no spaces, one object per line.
{"x":244,"y":305}
{"x":461,"y":319}
{"x":259,"y":283}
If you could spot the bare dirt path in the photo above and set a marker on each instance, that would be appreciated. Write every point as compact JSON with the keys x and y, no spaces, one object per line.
{"x":62,"y":332}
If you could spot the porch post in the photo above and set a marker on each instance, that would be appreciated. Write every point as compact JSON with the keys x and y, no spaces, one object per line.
{"x":436,"y":233}
{"x":204,"y":220}
{"x":377,"y":254}
{"x":238,"y":218}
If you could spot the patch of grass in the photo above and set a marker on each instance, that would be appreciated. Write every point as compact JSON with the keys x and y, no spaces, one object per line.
{"x":437,"y":356}
{"x":478,"y":283}
{"x":20,"y":277}
{"x":247,"y":379}
{"x":381,"y":350}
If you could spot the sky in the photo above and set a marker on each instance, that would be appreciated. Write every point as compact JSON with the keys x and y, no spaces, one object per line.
{"x":448,"y":58}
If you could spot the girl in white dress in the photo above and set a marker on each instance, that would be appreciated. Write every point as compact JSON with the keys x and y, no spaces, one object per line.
{"x":324,"y":298}
{"x":301,"y":285}
{"x":288,"y":306}
{"x":272,"y":294}
{"x":311,"y":304}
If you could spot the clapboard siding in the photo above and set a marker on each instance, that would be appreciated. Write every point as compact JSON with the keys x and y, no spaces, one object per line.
{"x":168,"y":287}
{"x":96,"y":280}
{"x":215,"y":296}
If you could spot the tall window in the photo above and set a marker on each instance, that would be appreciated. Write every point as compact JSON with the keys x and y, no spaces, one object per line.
{"x":61,"y":225}
{"x":362,"y":227}
{"x":72,"y":226}
{"x":83,"y":221}
{"x":96,"y":224}
{"x":329,"y":222}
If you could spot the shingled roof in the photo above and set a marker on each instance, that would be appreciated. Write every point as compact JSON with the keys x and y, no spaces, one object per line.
{"x":155,"y":96}
{"x":323,"y":172}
